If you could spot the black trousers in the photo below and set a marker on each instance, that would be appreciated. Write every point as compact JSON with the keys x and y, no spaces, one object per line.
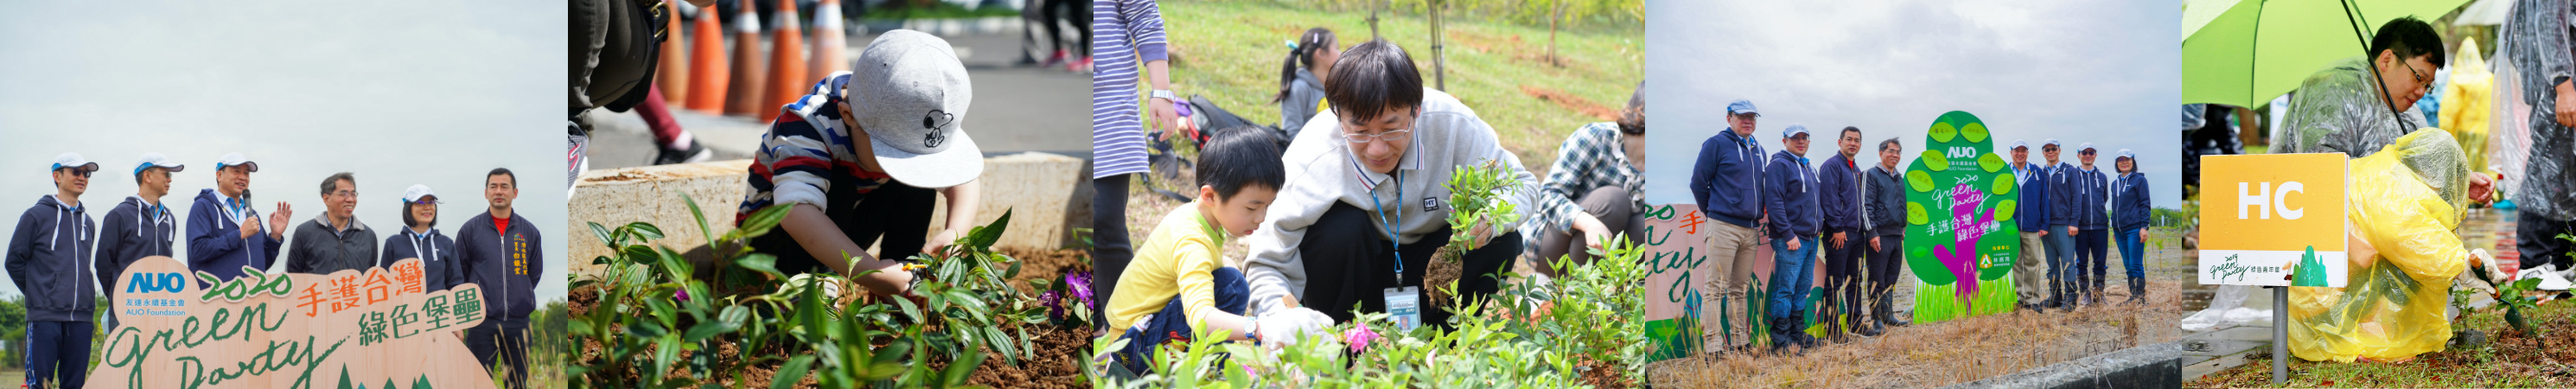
{"x":1884,"y":264}
{"x":493,"y":345}
{"x":1349,"y":262}
{"x":898,"y":213}
{"x":1843,"y":275}
{"x":1110,"y":249}
{"x":2537,"y":238}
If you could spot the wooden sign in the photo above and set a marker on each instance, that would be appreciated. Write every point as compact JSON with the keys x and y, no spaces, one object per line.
{"x":1678,"y":272}
{"x":374,"y":329}
{"x":2267,"y":217}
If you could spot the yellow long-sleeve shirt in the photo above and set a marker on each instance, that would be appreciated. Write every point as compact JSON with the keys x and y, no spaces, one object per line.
{"x":1178,"y":260}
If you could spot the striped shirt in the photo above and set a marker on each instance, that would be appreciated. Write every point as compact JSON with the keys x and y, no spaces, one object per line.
{"x":1125,"y":35}
{"x":805,"y":152}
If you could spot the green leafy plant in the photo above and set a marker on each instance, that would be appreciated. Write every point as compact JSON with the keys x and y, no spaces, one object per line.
{"x":1476,"y":198}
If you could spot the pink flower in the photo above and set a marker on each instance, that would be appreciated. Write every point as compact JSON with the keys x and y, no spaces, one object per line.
{"x":1359,"y":337}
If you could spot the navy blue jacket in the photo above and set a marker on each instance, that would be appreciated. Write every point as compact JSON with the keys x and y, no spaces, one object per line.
{"x":2129,"y":204}
{"x":133,"y":230}
{"x":1838,"y":194}
{"x":506,"y":266}
{"x":48,"y":257}
{"x":1886,"y":201}
{"x":439,"y":268}
{"x":1791,"y":187}
{"x":2032,"y":212}
{"x":2090,"y":193}
{"x":1727,"y":180}
{"x":2062,"y":195}
{"x":215,"y":244}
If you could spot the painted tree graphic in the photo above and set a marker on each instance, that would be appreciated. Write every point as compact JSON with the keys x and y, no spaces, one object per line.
{"x":1963,"y":255}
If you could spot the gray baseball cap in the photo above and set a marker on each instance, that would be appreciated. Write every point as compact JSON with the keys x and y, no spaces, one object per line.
{"x":910,"y":94}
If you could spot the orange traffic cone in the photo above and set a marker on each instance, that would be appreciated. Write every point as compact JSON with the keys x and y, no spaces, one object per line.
{"x":707,"y":65}
{"x":673,"y":77}
{"x":747,"y":80}
{"x":786,"y":60}
{"x":829,"y":41}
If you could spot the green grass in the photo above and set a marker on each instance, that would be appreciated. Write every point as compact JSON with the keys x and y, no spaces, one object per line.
{"x":1231,"y":51}
{"x":2489,"y":365}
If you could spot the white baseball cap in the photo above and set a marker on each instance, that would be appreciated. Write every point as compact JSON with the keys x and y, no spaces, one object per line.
{"x":74,"y":161}
{"x":911,"y":94}
{"x":151,"y":160}
{"x":231,"y":159}
{"x":2085,"y":146}
{"x":413,"y":194}
{"x":2124,"y":153}
{"x":2019,"y":144}
{"x":2051,"y":142}
{"x":1793,"y":131}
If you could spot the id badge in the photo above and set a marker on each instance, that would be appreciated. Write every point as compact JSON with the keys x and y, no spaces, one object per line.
{"x":1405,"y":304}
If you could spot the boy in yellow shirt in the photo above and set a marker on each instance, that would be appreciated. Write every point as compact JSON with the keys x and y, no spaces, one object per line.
{"x":1179,"y":276}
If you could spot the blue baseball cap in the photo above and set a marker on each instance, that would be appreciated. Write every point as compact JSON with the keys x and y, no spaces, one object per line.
{"x":1793,"y":131}
{"x":1741,"y":106}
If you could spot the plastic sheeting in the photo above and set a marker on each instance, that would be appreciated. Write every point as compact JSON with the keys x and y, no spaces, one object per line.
{"x":2405,"y":201}
{"x":2467,"y":101}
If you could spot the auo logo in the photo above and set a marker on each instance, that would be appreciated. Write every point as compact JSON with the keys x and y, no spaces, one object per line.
{"x":252,"y":282}
{"x":156,"y":282}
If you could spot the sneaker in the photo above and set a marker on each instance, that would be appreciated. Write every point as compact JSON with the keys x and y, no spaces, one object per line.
{"x":2550,"y":277}
{"x":694,"y":154}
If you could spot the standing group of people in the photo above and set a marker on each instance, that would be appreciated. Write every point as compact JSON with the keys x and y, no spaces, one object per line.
{"x":63,"y":260}
{"x":2070,"y":215}
{"x":1800,"y":207}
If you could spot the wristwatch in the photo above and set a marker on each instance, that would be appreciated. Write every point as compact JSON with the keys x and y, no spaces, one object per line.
{"x":1166,"y":95}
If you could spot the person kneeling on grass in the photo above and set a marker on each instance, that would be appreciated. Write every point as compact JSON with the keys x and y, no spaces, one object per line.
{"x":1179,"y":277}
{"x":1363,"y":211}
{"x":858,"y":158}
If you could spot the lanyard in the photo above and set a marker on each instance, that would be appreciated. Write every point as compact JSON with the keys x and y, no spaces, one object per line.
{"x":1380,"y":213}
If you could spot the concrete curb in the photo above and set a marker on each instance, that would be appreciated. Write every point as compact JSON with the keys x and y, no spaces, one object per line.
{"x":2149,"y":366}
{"x":1048,"y":195}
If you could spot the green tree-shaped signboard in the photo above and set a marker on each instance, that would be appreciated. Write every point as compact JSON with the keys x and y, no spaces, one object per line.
{"x":1959,"y":234}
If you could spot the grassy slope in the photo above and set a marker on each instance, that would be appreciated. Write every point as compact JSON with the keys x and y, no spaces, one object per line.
{"x":1231,"y":52}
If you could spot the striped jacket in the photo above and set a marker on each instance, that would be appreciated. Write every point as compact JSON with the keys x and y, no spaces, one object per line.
{"x":1125,"y":35}
{"x":805,"y":152}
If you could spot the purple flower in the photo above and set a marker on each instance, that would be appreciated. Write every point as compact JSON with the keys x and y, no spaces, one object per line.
{"x":682,"y":295}
{"x":1080,"y":284}
{"x":1359,"y":337}
{"x":1054,"y":303}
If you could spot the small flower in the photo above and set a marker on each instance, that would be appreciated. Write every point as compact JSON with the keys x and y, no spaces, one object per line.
{"x":1054,"y":303}
{"x":1359,"y":337}
{"x":681,"y":294}
{"x":1079,"y":283}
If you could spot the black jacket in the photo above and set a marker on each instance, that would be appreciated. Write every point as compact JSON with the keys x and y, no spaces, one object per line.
{"x":439,"y":268}
{"x":49,"y":258}
{"x":506,"y":266}
{"x":1885,"y":200}
{"x":133,"y":230}
{"x":317,"y":249}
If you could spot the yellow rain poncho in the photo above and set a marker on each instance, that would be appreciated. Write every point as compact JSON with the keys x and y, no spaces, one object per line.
{"x":2467,"y":102}
{"x":2404,"y":202}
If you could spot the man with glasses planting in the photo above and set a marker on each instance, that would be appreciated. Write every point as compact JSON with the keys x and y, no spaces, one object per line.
{"x":2345,"y":108}
{"x":1364,"y":206}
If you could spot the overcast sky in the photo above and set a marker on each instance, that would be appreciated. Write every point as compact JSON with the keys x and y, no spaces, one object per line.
{"x":2079,"y":71}
{"x":398,"y":93}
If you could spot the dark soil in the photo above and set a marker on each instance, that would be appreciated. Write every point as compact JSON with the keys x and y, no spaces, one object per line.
{"x":2510,"y":358}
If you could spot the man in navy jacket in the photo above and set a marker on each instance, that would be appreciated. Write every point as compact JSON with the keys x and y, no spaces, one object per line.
{"x":1795,"y":218}
{"x":47,"y":259}
{"x":2092,"y":222}
{"x":139,"y":227}
{"x":1838,"y":196}
{"x":503,"y":255}
{"x":1727,"y":183}
{"x":2030,"y":215}
{"x":224,"y":233}
{"x":2061,"y":228}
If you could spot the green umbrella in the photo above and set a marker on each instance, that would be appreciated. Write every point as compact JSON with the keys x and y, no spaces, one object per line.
{"x":2255,"y":50}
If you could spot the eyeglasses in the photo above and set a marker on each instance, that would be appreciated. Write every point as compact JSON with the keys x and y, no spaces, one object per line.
{"x":345,"y":193}
{"x":2085,"y":152}
{"x":1389,"y":136}
{"x":83,"y":173}
{"x":2420,"y":78}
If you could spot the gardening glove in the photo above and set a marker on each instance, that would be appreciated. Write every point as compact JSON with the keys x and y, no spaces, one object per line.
{"x":1282,"y":327}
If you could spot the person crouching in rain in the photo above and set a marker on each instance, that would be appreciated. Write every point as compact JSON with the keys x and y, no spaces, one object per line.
{"x":2403,"y":203}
